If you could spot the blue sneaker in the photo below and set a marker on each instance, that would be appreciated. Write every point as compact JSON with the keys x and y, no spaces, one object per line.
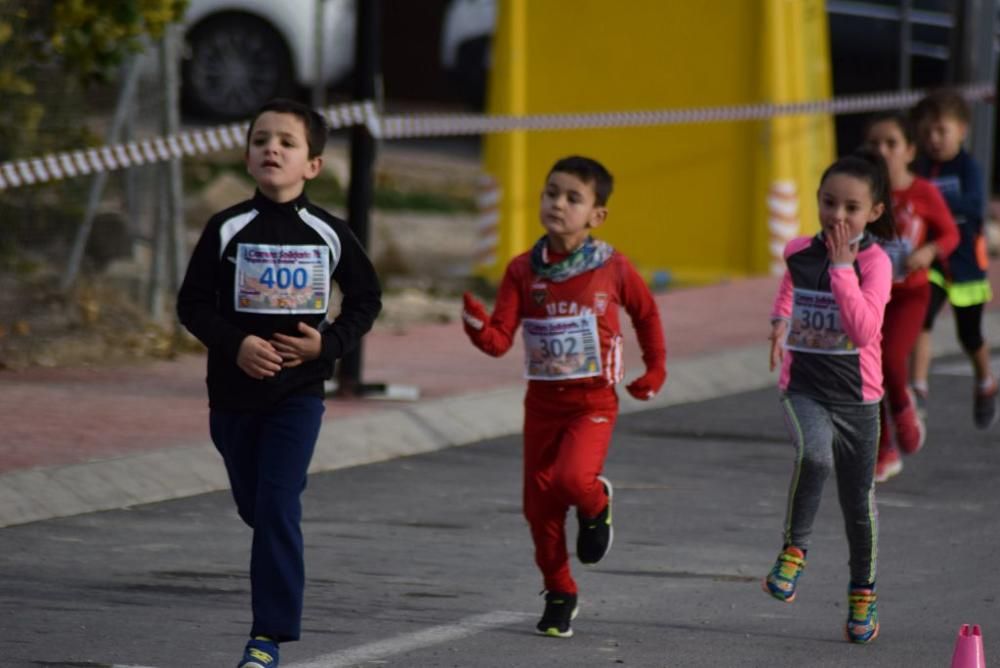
{"x":862,"y":616}
{"x":260,"y":653}
{"x":780,"y":582}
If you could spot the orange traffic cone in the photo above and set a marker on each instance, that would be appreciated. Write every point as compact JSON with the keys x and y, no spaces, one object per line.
{"x":969,"y":648}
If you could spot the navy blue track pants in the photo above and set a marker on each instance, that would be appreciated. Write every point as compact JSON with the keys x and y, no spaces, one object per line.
{"x":267,"y":455}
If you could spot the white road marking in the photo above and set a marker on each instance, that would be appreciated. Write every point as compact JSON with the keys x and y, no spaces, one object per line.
{"x":962,"y":367}
{"x":416,"y":640}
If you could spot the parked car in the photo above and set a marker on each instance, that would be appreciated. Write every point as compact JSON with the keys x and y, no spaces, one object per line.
{"x":241,"y":53}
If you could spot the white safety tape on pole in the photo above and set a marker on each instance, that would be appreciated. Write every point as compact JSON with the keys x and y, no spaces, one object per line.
{"x":17,"y":173}
{"x":400,"y":126}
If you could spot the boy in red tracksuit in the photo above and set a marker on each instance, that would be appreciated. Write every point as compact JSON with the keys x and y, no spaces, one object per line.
{"x":565,"y":292}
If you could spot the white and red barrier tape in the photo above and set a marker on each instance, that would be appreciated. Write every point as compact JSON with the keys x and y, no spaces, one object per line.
{"x":158,"y":149}
{"x":69,"y":164}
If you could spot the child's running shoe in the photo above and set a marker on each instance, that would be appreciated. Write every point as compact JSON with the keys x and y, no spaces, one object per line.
{"x":560,"y":610}
{"x":984,"y":411}
{"x":595,"y":536}
{"x":862,"y":616}
{"x":888,"y":464}
{"x":780,"y":582}
{"x":910,"y":431}
{"x":260,"y":653}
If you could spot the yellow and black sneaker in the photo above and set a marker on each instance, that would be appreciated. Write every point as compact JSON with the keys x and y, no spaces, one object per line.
{"x":560,"y":610}
{"x":260,"y":652}
{"x":595,"y":536}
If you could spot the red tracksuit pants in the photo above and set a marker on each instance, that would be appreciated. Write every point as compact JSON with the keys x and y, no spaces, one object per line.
{"x":904,"y":318}
{"x":567,"y":431}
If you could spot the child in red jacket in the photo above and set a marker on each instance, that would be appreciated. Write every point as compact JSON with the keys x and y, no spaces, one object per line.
{"x":565,"y":292}
{"x":925,"y":232}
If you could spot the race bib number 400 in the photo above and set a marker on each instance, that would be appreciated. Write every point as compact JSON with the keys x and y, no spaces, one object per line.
{"x":282,"y":279}
{"x":561,"y":348}
{"x":815,"y":326}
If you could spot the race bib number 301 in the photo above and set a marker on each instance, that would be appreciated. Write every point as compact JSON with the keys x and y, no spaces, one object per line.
{"x":815,"y":326}
{"x":561,"y":348}
{"x":282,"y":279}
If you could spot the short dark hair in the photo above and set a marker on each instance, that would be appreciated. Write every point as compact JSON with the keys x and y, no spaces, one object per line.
{"x":590,"y":172}
{"x":869,"y":167}
{"x":939,"y":103}
{"x":316,"y":129}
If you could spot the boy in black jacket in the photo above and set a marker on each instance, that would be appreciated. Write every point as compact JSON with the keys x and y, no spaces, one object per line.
{"x":257,"y":293}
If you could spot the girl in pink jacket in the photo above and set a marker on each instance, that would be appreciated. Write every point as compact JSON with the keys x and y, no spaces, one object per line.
{"x":826,"y":335}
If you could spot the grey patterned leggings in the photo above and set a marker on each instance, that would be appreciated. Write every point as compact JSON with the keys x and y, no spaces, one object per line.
{"x":842,"y":437}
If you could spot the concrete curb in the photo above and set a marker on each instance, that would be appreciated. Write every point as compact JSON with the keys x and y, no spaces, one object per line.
{"x":45,"y":493}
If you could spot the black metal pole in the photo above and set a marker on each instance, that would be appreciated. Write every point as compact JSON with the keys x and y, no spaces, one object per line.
{"x":958,"y":50}
{"x":361,"y":191}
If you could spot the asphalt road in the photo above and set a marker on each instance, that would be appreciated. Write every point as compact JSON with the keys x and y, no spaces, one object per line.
{"x":426,"y":561}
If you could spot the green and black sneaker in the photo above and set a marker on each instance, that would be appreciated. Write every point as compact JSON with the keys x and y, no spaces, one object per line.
{"x":560,"y":610}
{"x":596,"y":534}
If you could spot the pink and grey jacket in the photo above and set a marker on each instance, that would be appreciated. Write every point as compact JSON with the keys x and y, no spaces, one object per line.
{"x":861,"y":291}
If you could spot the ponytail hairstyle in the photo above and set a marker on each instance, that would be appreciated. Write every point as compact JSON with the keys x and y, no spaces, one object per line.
{"x":868,"y":166}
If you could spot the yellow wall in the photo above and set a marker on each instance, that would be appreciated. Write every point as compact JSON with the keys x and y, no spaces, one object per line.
{"x":688,"y":198}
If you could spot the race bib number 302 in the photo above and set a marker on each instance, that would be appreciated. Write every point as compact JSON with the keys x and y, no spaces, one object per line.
{"x":282,"y":279}
{"x":816,"y":327}
{"x":561,"y":348}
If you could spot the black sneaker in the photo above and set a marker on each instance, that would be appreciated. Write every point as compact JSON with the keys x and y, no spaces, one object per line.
{"x":596,"y":534}
{"x":984,"y":411}
{"x":560,"y":610}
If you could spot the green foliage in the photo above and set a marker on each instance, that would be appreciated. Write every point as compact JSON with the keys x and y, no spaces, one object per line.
{"x":50,"y":52}
{"x":91,"y":38}
{"x":78,"y":40}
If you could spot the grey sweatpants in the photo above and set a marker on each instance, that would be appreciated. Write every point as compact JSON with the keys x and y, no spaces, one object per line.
{"x":842,"y":437}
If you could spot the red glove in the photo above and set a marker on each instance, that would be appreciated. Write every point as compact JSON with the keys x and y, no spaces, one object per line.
{"x":474,"y":315}
{"x":646,"y":386}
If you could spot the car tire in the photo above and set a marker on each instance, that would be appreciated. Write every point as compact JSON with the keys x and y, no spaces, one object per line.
{"x":233,"y":64}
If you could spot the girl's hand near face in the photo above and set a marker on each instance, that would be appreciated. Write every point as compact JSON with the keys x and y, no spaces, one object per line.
{"x":839,"y":246}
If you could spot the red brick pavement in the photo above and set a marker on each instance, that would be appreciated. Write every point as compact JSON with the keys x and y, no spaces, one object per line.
{"x":62,"y":416}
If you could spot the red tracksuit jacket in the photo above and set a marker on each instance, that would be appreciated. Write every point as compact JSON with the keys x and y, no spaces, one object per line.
{"x":524,"y":295}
